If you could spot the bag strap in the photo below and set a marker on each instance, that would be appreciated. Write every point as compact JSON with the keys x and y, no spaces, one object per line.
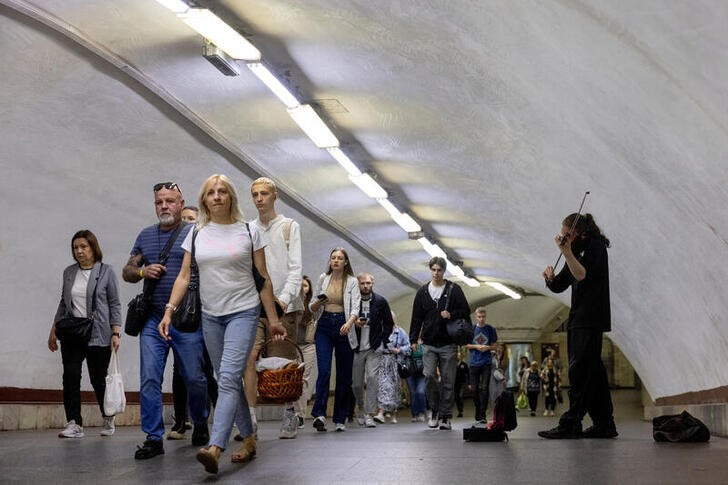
{"x":149,"y":285}
{"x":448,"y":294}
{"x":93,"y":296}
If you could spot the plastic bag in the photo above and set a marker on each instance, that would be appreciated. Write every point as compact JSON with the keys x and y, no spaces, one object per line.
{"x":114,"y":397}
{"x":522,"y":401}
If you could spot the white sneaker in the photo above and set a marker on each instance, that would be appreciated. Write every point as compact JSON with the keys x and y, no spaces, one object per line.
{"x":340,"y":427}
{"x":379,"y":417}
{"x":108,"y":428}
{"x":432,"y":422}
{"x":546,"y":413}
{"x":289,"y":424}
{"x":394,"y":419}
{"x":420,"y":418}
{"x":362,"y":420}
{"x":320,"y":423}
{"x":369,"y":422}
{"x":445,"y":424}
{"x":72,"y":430}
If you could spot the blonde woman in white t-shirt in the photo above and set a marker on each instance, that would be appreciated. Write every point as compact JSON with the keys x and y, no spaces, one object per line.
{"x":225,"y":251}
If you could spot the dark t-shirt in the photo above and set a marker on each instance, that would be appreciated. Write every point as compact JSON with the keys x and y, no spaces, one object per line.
{"x":150,"y":244}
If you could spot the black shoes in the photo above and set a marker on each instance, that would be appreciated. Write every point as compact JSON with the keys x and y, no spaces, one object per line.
{"x":149,"y":449}
{"x":200,"y":435}
{"x":562,"y":433}
{"x":603,"y":432}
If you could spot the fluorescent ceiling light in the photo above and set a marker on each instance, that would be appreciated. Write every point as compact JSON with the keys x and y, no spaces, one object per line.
{"x":344,"y":161}
{"x":404,"y":220}
{"x":176,"y":6}
{"x":431,"y":249}
{"x":504,"y":289}
{"x":269,"y":79}
{"x":472,"y":282}
{"x":369,"y":186}
{"x":313,"y":126}
{"x":211,"y":27}
{"x":454,"y":269}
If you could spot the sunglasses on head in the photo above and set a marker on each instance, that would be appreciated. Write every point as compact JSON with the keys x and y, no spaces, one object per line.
{"x":168,"y":186}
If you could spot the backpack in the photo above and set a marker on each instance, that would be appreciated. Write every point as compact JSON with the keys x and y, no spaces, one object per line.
{"x":504,"y":419}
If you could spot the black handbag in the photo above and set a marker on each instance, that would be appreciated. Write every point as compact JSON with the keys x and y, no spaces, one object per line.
{"x":139,"y":308}
{"x":78,"y":329}
{"x":461,"y":329}
{"x":407,"y":366}
{"x":680,"y":428}
{"x":187,"y":316}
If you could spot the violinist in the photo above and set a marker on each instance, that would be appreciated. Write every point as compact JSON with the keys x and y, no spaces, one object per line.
{"x":584,"y":248}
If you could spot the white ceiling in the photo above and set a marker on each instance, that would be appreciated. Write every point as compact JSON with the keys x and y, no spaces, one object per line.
{"x":487,"y":120}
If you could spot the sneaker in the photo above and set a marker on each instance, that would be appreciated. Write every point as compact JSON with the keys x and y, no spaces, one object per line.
{"x":433,"y":422}
{"x":289,"y":424}
{"x":148,"y":449}
{"x":72,"y":430}
{"x":394,"y":419}
{"x":108,"y":428}
{"x":320,"y":424}
{"x":362,"y":420}
{"x":445,"y":424}
{"x":176,"y":435}
{"x":533,"y":413}
{"x":605,"y":432}
{"x":340,"y":427}
{"x":561,"y":433}
{"x":200,"y":435}
{"x":414,"y":419}
{"x":369,"y":422}
{"x":300,"y":422}
{"x":421,"y":418}
{"x":379,"y":417}
{"x":546,"y":413}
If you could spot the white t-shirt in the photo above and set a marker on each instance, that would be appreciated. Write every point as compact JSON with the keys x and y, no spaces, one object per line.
{"x":224,"y":258}
{"x":78,"y":292}
{"x":435,"y":291}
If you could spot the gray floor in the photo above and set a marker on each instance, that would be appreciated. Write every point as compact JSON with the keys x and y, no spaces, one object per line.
{"x":402,"y":453}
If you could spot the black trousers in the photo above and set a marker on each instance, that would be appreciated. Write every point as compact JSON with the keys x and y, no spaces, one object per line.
{"x":589,"y":392}
{"x":179,"y":390}
{"x":97,"y":362}
{"x":480,"y":380}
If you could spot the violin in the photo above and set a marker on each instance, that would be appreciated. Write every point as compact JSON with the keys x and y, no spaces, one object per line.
{"x":565,"y":238}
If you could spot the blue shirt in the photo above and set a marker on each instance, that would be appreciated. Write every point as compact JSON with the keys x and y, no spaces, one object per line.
{"x":482,"y":336}
{"x":150,"y":244}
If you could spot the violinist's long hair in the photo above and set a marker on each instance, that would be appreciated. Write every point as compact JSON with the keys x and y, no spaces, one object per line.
{"x":586,"y":226}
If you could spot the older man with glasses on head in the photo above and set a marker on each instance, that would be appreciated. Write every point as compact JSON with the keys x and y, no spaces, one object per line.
{"x":145,"y":264}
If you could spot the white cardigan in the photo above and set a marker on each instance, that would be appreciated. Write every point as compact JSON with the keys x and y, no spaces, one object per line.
{"x":352,"y":302}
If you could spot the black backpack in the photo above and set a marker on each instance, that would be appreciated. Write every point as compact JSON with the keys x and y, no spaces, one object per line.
{"x":504,"y":419}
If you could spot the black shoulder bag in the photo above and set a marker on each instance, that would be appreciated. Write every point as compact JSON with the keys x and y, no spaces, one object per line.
{"x":139,"y":307}
{"x":460,"y":330}
{"x":187,"y":316}
{"x":78,"y":329}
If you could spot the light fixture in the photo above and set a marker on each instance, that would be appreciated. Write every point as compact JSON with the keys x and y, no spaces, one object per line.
{"x":344,"y":161}
{"x":471,"y":282}
{"x":270,"y":80}
{"x":211,"y":27}
{"x":313,"y":126}
{"x":504,"y":289}
{"x":404,"y":220}
{"x":218,"y":58}
{"x":175,"y":6}
{"x":369,"y":186}
{"x":454,"y":269}
{"x":431,"y":249}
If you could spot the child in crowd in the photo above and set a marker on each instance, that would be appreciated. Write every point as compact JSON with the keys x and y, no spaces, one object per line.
{"x":550,"y":379}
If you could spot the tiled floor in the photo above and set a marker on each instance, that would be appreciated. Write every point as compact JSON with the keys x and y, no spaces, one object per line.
{"x":392,"y":453}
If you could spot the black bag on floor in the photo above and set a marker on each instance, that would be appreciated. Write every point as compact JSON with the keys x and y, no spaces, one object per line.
{"x":480,"y":433}
{"x":679,"y":428}
{"x":504,"y":419}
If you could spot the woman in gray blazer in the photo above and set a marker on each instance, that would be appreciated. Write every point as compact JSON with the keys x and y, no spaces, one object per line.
{"x":86,"y":280}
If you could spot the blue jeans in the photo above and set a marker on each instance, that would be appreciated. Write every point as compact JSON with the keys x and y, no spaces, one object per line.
{"x":329,"y":340}
{"x":417,"y":394}
{"x":229,"y":340}
{"x":153,"y":349}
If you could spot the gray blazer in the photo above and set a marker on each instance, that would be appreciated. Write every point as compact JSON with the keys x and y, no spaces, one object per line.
{"x":108,"y":308}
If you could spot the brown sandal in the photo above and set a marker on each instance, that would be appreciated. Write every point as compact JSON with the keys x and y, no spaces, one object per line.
{"x":209,"y":457}
{"x":246,"y":452}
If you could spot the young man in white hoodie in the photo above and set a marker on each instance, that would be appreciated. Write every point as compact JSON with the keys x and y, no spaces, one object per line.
{"x":283,"y":259}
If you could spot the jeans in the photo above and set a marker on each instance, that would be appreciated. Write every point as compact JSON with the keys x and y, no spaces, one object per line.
{"x":229,"y":340}
{"x":589,"y":391}
{"x":179,"y":390}
{"x":153,"y":349}
{"x":440,"y":393}
{"x":328,"y":341}
{"x":480,"y":380}
{"x":97,"y":361}
{"x":366,"y":372}
{"x":416,"y":385}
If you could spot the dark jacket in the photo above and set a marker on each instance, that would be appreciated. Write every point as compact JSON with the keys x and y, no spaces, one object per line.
{"x":590,"y":306}
{"x":426,"y":314}
{"x":380,"y":321}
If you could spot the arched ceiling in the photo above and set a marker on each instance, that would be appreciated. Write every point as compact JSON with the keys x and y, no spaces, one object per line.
{"x":486,"y":120}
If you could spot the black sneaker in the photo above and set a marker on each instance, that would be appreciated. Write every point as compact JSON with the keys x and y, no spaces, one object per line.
{"x":200,"y":435}
{"x":604,"y":432}
{"x":300,"y":422}
{"x":149,"y":449}
{"x":561,"y":433}
{"x":320,"y":424}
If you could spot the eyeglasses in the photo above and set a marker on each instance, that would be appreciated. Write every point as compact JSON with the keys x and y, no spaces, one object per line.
{"x":168,"y":186}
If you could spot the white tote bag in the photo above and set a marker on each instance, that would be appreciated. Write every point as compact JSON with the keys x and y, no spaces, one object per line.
{"x":114,"y":398}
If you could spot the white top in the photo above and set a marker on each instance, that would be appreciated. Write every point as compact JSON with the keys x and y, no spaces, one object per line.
{"x":78,"y":292}
{"x":435,"y":291}
{"x":283,"y":260}
{"x":224,"y":258}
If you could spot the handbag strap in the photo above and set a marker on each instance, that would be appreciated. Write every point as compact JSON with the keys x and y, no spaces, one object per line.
{"x":149,"y":285}
{"x":448,"y":294}
{"x":93,"y":296}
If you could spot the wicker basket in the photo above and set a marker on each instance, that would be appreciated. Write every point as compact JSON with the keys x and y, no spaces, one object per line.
{"x":280,"y":386}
